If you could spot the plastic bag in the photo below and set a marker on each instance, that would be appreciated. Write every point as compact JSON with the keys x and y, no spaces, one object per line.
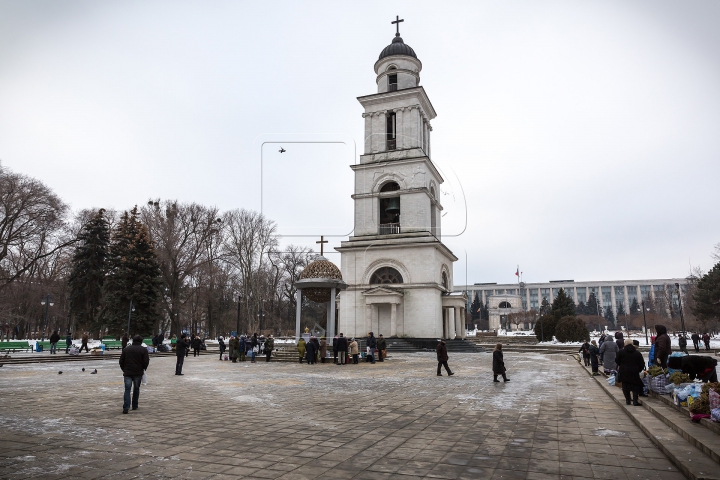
{"x":715,"y":415}
{"x":144,"y":380}
{"x":611,"y":381}
{"x":657,"y":384}
{"x":74,"y":350}
{"x":714,"y":400}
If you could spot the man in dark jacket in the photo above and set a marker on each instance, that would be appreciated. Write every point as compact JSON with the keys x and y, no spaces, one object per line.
{"x":630,"y":363}
{"x":382,"y":348}
{"x":372,"y":345}
{"x":442,"y":358}
{"x":619,"y":341}
{"x":342,"y":346}
{"x":68,"y":342}
{"x":196,"y":344}
{"x":706,"y":340}
{"x":663,"y":347}
{"x":134,"y":360}
{"x":181,"y":349}
{"x":696,"y":341}
{"x":85,"y":339}
{"x":54,"y":339}
{"x":221,"y":344}
{"x":311,"y":350}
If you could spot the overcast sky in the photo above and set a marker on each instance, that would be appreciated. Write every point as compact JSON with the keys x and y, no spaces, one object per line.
{"x":580,"y":140}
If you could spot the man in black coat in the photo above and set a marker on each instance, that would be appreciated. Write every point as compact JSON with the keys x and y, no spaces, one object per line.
{"x":342,"y":346}
{"x":134,"y":360}
{"x":630,"y":363}
{"x":372,"y":345}
{"x":696,"y":341}
{"x":697,"y":366}
{"x":442,"y":358}
{"x":180,"y":350}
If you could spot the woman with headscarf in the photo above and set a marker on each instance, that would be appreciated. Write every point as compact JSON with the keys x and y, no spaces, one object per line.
{"x":499,"y":364}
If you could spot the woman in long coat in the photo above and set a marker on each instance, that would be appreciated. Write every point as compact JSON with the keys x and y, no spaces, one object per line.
{"x":499,"y":364}
{"x":311,"y":351}
{"x":608,"y":352}
{"x":233,"y":344}
{"x":301,"y":348}
{"x":323,"y":349}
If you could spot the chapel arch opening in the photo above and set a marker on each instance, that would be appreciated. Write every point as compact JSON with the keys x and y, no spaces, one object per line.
{"x":389,"y":210}
{"x":386,"y":276}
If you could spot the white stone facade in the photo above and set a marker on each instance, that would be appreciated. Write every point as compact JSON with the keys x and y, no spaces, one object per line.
{"x":397,"y":154}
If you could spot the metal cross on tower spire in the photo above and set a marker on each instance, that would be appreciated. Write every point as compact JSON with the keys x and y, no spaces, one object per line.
{"x":322,"y":243}
{"x":397,"y":23}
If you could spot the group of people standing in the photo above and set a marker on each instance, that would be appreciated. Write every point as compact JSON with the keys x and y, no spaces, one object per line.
{"x":242,"y":346}
{"x":343,"y":348}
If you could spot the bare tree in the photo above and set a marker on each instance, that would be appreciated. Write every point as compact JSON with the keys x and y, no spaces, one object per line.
{"x":32,"y":225}
{"x":180,"y":232}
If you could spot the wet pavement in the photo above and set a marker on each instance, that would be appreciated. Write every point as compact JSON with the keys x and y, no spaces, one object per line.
{"x":395,"y":419}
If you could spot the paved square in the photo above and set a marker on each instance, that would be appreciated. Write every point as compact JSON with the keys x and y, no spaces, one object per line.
{"x":283,"y":420}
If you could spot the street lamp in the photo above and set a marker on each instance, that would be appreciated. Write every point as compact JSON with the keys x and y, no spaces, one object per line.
{"x":132,"y":309}
{"x":261,"y":317}
{"x":48,"y":302}
{"x":237,"y":328}
{"x":682,"y":318}
{"x":642,"y":303}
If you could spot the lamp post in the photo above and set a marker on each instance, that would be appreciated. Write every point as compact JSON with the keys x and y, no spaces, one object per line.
{"x":261,"y":318}
{"x":642,"y":303}
{"x":48,"y":302}
{"x":237,"y":328}
{"x":130,"y":310}
{"x":682,"y":318}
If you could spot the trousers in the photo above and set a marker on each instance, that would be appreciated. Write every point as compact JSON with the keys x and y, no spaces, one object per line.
{"x":342,"y":357}
{"x":179,"y":364}
{"x":443,"y":363}
{"x":134,"y":383}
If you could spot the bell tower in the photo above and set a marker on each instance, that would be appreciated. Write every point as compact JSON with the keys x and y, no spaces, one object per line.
{"x":395,"y":264}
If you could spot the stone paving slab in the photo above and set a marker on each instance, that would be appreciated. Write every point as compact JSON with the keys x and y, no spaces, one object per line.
{"x":391,"y":420}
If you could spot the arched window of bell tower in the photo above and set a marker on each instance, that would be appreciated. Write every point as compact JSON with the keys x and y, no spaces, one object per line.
{"x":389,"y":210}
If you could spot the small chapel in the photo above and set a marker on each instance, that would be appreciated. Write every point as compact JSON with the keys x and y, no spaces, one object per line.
{"x":399,"y":274}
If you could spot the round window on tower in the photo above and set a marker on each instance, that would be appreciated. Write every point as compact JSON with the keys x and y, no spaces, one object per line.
{"x":386,"y":275}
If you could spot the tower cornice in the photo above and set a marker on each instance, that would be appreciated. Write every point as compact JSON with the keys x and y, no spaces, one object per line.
{"x":381,"y":99}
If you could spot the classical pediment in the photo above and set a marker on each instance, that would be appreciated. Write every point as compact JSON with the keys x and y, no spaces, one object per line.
{"x":382,"y":291}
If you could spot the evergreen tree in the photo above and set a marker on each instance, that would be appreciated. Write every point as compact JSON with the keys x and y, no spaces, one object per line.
{"x":593,"y":307}
{"x":610,"y":316}
{"x":88,"y":270}
{"x":485,"y":312}
{"x":635,"y":307}
{"x":563,"y":306}
{"x":571,"y":329}
{"x":544,"y":307}
{"x":545,"y":328}
{"x":475,"y":308}
{"x":707,"y":295}
{"x":133,"y":274}
{"x":620,"y":309}
{"x":581,"y":309}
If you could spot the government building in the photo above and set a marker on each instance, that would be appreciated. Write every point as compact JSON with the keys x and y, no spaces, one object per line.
{"x":504,"y":299}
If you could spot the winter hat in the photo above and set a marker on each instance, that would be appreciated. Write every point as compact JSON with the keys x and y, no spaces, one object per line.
{"x":628,"y":342}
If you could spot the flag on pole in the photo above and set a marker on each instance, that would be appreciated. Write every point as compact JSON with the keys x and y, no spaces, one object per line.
{"x":517,"y":272}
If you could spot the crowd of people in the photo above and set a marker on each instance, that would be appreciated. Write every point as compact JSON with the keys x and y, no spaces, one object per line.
{"x":620,"y":357}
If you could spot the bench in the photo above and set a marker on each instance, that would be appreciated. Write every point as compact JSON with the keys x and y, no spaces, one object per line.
{"x":110,"y":344}
{"x":12,"y":346}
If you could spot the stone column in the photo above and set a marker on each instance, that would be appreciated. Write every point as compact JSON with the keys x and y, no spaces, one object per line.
{"x":458,"y":325}
{"x":368,"y":319}
{"x":463,"y":315}
{"x":298,"y":308}
{"x":368,"y":132}
{"x":613,"y":305}
{"x":374,"y":137}
{"x":393,"y":319}
{"x":331,"y":317}
{"x":399,"y":129}
{"x":382,"y":122}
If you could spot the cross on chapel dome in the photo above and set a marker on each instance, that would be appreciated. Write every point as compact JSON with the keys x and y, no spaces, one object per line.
{"x":397,"y":47}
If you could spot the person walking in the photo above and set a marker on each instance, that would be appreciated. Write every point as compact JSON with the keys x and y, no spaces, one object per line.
{"x":585,"y":349}
{"x":242,"y":345}
{"x":696,"y":341}
{"x":301,"y":348}
{"x":382,"y":348}
{"x":196,"y":344}
{"x":85,"y":339}
{"x":311,"y":351}
{"x":134,"y":360}
{"x":181,"y":348}
{"x":663,"y":346}
{"x":499,"y":364}
{"x":269,"y":345}
{"x":342,"y":347}
{"x":354,"y":350}
{"x":594,"y":352}
{"x":372,"y":346}
{"x":609,"y":351}
{"x":706,"y":340}
{"x":630,"y":363}
{"x":54,"y":339}
{"x":254,"y":345}
{"x":221,"y":345}
{"x":442,"y":358}
{"x":682,"y":342}
{"x":68,"y":342}
{"x":323,"y":349}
